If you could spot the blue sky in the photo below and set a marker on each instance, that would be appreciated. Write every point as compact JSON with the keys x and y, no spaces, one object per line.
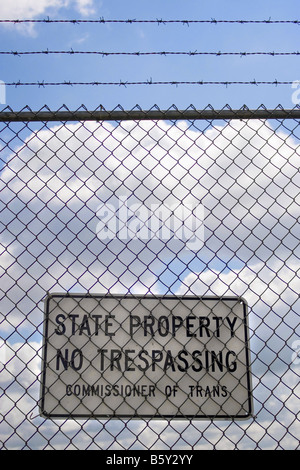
{"x":145,"y":38}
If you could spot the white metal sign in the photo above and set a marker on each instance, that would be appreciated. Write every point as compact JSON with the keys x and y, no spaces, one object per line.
{"x":145,"y":357}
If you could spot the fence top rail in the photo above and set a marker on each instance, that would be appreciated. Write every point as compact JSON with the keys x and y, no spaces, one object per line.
{"x":8,"y":115}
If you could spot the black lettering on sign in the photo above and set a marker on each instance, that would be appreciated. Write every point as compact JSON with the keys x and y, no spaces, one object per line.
{"x":73,"y":360}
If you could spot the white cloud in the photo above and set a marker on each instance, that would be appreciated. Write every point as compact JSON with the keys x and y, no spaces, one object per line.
{"x":70,"y":170}
{"x":32,"y":9}
{"x":85,"y":7}
{"x":61,"y":175}
{"x":28,"y":9}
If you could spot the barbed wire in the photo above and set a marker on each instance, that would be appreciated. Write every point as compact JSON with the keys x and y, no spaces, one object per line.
{"x":190,"y":53}
{"x":149,"y":53}
{"x":150,"y":21}
{"x":226,"y":83}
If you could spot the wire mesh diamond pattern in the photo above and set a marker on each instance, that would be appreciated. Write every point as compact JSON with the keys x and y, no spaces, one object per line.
{"x":150,"y":208}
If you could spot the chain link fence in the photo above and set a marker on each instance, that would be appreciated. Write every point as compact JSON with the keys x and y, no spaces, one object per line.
{"x":116,"y":217}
